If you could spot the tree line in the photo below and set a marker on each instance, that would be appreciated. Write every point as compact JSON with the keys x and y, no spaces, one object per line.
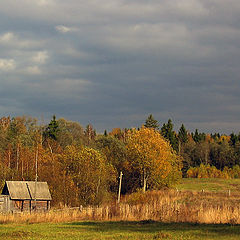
{"x":199,"y":148}
{"x":83,"y":167}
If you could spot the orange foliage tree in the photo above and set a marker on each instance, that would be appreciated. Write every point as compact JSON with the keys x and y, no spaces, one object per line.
{"x":153,"y":158}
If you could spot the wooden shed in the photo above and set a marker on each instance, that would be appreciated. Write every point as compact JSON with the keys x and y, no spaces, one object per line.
{"x":25,"y":196}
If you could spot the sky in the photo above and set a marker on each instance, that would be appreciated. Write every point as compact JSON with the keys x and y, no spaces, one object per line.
{"x":111,"y":63}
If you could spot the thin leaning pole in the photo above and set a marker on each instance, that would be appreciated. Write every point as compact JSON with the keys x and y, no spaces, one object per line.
{"x":36,"y":177}
{"x":120,"y":185}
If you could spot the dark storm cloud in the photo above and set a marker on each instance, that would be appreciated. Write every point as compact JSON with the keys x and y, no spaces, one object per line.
{"x":112,"y":63}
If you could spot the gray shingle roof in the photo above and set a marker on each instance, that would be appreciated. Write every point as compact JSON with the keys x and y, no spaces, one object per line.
{"x":25,"y":190}
{"x":42,"y":192}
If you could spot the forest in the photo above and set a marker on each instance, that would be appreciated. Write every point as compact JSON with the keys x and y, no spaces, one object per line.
{"x":82,"y":167}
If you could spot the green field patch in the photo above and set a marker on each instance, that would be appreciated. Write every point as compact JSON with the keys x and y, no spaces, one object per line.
{"x":209,"y":184}
{"x":145,"y":230}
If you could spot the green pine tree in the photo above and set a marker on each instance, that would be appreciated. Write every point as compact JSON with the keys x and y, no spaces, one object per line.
{"x":151,"y":122}
{"x":52,"y":129}
{"x":198,"y":137}
{"x":169,"y":134}
{"x":182,"y":134}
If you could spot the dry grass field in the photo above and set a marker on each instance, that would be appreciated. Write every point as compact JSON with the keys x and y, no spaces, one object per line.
{"x":164,"y":206}
{"x":183,"y":213}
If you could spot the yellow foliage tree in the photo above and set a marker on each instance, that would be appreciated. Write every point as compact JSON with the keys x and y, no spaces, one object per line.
{"x":90,"y":173}
{"x":153,"y":158}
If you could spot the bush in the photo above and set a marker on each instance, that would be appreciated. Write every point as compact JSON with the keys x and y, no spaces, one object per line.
{"x":207,"y":171}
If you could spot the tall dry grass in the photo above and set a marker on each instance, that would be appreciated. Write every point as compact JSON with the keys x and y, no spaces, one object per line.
{"x":164,"y":206}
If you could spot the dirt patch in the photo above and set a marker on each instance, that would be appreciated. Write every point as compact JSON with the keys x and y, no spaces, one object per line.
{"x":162,"y":235}
{"x":19,"y":235}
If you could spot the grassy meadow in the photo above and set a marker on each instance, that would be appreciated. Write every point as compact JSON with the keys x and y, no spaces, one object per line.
{"x":216,"y":185}
{"x":186,"y":212}
{"x":141,"y":230}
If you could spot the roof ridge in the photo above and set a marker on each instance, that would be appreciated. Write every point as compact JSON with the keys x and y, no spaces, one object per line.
{"x":29,"y":190}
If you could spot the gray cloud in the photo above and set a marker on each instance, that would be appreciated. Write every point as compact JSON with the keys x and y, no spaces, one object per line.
{"x":112,"y":63}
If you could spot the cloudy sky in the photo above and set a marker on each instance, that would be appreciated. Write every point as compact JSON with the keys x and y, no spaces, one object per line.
{"x":113,"y":62}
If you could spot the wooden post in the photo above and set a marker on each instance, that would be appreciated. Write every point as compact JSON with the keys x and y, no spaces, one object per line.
{"x":48,"y":205}
{"x":36,"y":177}
{"x":120,"y":185}
{"x":22,"y":205}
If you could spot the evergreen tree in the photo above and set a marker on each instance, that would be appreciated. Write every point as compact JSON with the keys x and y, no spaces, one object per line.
{"x":151,"y":122}
{"x":52,"y":129}
{"x":215,"y":136}
{"x":198,"y":137}
{"x":168,"y":133}
{"x":233,"y":139}
{"x":182,"y":134}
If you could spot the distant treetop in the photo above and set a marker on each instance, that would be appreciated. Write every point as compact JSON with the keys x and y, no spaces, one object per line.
{"x":151,"y":122}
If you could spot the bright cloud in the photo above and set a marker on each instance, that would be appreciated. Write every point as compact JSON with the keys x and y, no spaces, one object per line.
{"x":6,"y":37}
{"x":64,"y":29}
{"x":14,"y":41}
{"x":7,"y":64}
{"x":41,"y":57}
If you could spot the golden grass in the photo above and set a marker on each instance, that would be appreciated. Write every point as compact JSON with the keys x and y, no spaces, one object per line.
{"x":164,"y":206}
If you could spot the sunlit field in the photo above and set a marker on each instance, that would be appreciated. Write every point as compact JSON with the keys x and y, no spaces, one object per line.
{"x":210,"y":184}
{"x":119,"y":230}
{"x":186,"y":212}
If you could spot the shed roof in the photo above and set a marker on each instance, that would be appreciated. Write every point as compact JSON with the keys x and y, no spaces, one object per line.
{"x":42,"y":191}
{"x":25,"y":190}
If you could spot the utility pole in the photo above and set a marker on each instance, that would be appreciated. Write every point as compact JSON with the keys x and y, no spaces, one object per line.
{"x":36,"y":177}
{"x":120,"y":185}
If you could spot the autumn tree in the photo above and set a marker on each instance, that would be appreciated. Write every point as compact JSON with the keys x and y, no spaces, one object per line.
{"x":90,"y":134}
{"x":70,"y":133}
{"x":90,"y":172}
{"x":115,"y":152}
{"x":118,"y":133}
{"x":201,"y":153}
{"x":153,"y":158}
{"x":222,"y":154}
{"x":18,"y":135}
{"x":215,"y":136}
{"x":187,"y":153}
